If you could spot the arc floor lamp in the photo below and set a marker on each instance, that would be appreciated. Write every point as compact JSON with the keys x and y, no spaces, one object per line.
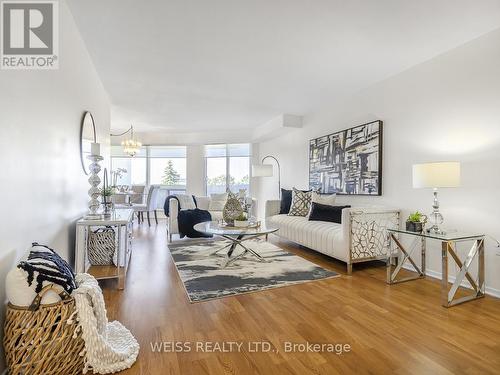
{"x":267,"y":170}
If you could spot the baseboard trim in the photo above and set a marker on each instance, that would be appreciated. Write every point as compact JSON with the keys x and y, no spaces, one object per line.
{"x":437,"y":275}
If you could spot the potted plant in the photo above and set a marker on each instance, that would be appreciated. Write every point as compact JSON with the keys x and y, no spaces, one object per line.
{"x":117,"y":174}
{"x":108,"y":192}
{"x":416,"y":222}
{"x":241,"y":220}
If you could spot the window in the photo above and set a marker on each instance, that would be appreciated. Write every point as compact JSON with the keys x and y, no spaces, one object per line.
{"x":153,"y":165}
{"x":227,"y":167}
{"x":136,"y":167}
{"x":158,"y":165}
{"x":168,"y":165}
{"x":216,"y":168}
{"x":239,"y":167}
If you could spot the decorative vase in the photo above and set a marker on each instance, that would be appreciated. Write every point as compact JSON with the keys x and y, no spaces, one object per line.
{"x":108,"y":208}
{"x":232,"y":209}
{"x":106,"y":198}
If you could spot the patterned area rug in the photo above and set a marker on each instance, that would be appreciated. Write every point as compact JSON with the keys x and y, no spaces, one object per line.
{"x":205,"y":279}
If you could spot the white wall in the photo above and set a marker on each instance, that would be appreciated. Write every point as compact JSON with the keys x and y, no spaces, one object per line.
{"x":445,"y":109}
{"x":43,"y":187}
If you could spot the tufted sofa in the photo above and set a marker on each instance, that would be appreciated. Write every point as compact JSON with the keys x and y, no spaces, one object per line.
{"x":361,"y":237}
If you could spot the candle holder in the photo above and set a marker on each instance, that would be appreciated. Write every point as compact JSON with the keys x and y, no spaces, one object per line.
{"x":108,"y":205}
{"x":94,"y":181}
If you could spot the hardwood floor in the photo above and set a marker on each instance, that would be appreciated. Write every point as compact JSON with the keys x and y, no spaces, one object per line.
{"x":400,"y":329}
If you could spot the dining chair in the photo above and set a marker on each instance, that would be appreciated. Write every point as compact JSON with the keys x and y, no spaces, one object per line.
{"x":150,"y":205}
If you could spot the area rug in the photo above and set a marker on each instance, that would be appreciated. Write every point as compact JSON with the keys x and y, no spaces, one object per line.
{"x":205,"y":279}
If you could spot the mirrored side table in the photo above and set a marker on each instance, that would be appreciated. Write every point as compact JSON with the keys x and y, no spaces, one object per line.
{"x":449,"y":241}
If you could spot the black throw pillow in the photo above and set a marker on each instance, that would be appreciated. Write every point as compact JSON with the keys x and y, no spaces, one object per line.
{"x":286,"y":201}
{"x":324,"y":212}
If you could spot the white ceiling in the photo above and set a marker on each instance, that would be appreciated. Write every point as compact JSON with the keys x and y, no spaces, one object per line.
{"x":198,"y":66}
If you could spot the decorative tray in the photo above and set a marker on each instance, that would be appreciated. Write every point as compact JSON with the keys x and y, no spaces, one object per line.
{"x":249,"y":226}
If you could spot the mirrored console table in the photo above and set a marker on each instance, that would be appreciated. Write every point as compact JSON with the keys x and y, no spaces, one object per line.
{"x":121,"y":222}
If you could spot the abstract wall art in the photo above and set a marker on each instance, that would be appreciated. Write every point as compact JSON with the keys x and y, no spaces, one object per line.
{"x":348,"y":162}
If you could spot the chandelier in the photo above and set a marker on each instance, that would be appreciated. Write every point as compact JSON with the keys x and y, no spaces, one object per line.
{"x":130,"y":146}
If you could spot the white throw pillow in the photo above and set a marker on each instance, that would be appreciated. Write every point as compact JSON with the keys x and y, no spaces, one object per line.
{"x":217,"y":202}
{"x":19,"y":293}
{"x":186,"y":202}
{"x":328,"y":199}
{"x":301,"y":203}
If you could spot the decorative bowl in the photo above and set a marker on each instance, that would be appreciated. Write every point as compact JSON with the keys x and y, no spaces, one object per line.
{"x":241,"y":223}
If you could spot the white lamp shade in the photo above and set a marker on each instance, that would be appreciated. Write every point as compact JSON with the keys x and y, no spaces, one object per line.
{"x":262,"y":170}
{"x":436,"y":175}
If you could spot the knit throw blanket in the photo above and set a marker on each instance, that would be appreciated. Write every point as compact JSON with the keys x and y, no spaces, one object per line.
{"x":109,"y":347}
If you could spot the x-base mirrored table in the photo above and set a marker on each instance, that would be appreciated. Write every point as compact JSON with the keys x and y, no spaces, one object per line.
{"x":448,"y":247}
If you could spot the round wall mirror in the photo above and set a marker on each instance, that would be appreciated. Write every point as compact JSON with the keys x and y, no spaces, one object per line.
{"x":87,"y":136}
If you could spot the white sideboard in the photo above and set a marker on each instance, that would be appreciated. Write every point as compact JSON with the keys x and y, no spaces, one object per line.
{"x":121,"y":221}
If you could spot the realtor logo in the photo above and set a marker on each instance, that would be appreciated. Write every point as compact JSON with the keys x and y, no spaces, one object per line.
{"x":30,"y":35}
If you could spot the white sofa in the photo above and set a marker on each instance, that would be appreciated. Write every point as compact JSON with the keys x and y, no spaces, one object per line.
{"x":203,"y":203}
{"x":361,"y":237}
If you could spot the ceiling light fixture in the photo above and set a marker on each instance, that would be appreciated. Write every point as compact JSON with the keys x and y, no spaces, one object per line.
{"x":130,"y":146}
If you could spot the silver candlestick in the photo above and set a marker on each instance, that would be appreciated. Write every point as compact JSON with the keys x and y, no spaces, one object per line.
{"x":94,"y":181}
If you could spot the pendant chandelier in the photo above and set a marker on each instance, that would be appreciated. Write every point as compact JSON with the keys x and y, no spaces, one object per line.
{"x":131,"y":146}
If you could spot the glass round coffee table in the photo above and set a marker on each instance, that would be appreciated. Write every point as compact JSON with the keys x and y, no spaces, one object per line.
{"x":236,"y":236}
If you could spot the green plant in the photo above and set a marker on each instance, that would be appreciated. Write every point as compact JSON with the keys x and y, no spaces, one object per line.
{"x":241,"y":217}
{"x":107,"y":192}
{"x":416,"y":217}
{"x":170,"y":175}
{"x":220,"y":180}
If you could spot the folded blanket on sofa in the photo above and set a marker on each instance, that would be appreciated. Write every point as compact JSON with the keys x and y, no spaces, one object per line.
{"x":187,"y":219}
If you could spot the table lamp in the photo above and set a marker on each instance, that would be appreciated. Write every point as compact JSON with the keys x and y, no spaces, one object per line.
{"x":436,"y":175}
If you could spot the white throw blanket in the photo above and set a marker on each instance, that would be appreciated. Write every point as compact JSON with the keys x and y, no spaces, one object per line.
{"x":109,"y":347}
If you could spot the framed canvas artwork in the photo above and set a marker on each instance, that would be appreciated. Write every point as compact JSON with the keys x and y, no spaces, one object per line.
{"x":348,"y":161}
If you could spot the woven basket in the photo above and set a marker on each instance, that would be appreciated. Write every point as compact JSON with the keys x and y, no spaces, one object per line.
{"x":39,"y":341}
{"x":102,"y":247}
